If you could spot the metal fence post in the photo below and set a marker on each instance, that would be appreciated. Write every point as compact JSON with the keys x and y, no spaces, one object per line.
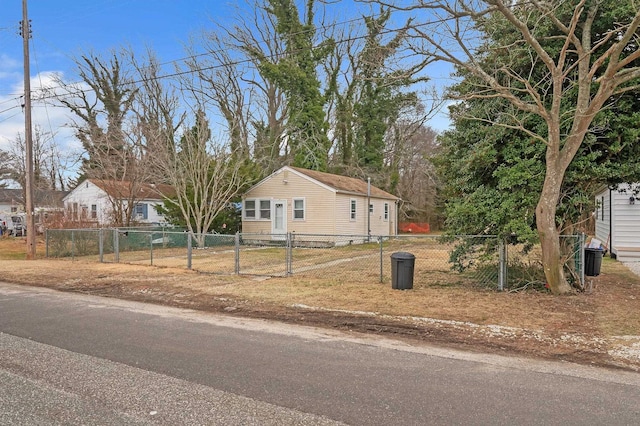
{"x":581,"y":256}
{"x":151,"y":247}
{"x":101,"y":244}
{"x":381,"y":259}
{"x":502,"y":264}
{"x":287,"y":254}
{"x":237,"y":253}
{"x":116,"y":246}
{"x":46,"y":244}
{"x":73,"y":245}
{"x":189,"y":251}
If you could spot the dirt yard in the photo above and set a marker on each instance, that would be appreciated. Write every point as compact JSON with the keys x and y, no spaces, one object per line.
{"x":599,"y":327}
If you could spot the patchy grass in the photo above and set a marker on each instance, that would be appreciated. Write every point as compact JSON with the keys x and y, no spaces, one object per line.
{"x":608,"y":310}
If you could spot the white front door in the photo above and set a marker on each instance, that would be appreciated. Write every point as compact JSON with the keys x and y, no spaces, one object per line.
{"x":279,"y":218}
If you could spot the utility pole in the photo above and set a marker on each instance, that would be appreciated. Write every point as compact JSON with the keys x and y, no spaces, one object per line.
{"x":25,"y":29}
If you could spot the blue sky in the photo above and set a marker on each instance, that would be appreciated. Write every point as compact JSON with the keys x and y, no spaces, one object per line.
{"x":62,"y":30}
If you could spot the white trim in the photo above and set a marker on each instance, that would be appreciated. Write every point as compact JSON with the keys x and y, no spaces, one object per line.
{"x":353,"y":209}
{"x":257,"y":209}
{"x":290,"y":170}
{"x":244,"y":209}
{"x":274,"y":204}
{"x":385,"y":213}
{"x":269,"y":208}
{"x":304,"y":209}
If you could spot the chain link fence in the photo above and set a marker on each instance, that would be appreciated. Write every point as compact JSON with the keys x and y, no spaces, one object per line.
{"x":470,"y":260}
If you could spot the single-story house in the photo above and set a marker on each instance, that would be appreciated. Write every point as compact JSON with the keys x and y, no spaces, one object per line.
{"x":304,"y":201}
{"x":45,"y":200}
{"x":617,"y":220}
{"x":92,"y":201}
{"x":11,"y":200}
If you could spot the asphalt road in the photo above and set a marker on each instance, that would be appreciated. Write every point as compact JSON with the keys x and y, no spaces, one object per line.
{"x":76,"y":359}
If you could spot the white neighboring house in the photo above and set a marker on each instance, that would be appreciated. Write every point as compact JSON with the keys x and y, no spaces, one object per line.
{"x":90,"y":201}
{"x":618,"y":221}
{"x":293,"y":199}
{"x":12,"y":200}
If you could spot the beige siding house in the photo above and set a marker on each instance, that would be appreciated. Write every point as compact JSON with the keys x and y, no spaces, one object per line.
{"x":310,"y":202}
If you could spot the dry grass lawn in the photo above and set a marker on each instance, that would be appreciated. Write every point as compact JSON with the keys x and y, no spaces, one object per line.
{"x":610,"y":310}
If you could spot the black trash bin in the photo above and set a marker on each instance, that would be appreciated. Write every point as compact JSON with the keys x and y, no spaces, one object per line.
{"x":592,"y":261}
{"x":402,"y":265}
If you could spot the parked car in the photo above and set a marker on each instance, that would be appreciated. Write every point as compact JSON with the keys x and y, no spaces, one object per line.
{"x":6,"y":224}
{"x":19,"y":226}
{"x":13,"y":224}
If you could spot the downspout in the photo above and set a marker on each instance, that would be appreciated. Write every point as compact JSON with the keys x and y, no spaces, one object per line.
{"x":396,"y":224}
{"x":610,"y":224}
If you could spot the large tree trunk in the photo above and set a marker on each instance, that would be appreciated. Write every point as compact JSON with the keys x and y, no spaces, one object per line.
{"x":549,"y":234}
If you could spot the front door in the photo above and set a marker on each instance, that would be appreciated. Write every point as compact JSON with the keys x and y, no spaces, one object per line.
{"x":279,"y":219}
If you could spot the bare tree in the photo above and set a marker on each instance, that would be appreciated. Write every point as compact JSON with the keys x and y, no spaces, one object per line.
{"x":581,"y":64}
{"x":157,"y":112}
{"x":49,"y":163}
{"x":221,"y":80}
{"x":268,"y":108}
{"x":417,"y":179}
{"x":113,"y":142}
{"x":5,"y":169}
{"x":205,"y":176}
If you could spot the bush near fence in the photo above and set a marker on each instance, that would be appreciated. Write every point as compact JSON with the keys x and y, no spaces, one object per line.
{"x":464,"y":260}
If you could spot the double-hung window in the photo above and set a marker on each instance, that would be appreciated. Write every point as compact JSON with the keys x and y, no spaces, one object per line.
{"x":386,"y":212}
{"x":298,"y":209}
{"x":265,"y":209}
{"x":353,"y":209}
{"x":250,"y":209}
{"x":141,"y":211}
{"x":257,"y":209}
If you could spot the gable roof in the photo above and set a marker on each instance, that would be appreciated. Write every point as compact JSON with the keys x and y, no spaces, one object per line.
{"x":42,"y":197}
{"x":338,"y":183}
{"x":11,"y":195}
{"x":146,"y":191}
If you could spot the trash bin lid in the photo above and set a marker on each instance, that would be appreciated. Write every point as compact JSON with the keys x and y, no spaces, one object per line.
{"x":402,"y":255}
{"x":592,"y":249}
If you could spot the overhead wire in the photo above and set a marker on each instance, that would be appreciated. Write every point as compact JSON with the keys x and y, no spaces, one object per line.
{"x":241,"y":61}
{"x":46,"y":110}
{"x":232,"y":63}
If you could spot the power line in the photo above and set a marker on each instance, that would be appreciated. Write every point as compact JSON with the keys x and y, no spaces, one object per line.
{"x":212,"y":67}
{"x":10,"y":117}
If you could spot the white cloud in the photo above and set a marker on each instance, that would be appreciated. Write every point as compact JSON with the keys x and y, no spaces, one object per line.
{"x":51,"y":118}
{"x":9,"y":64}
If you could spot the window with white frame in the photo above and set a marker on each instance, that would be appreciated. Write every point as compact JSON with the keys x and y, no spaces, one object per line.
{"x":250,"y":209}
{"x":265,"y":209}
{"x":386,"y":212}
{"x":298,"y":209}
{"x":353,"y":209}
{"x":371,"y":208}
{"x":255,"y":209}
{"x":94,"y":211}
{"x":141,"y":211}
